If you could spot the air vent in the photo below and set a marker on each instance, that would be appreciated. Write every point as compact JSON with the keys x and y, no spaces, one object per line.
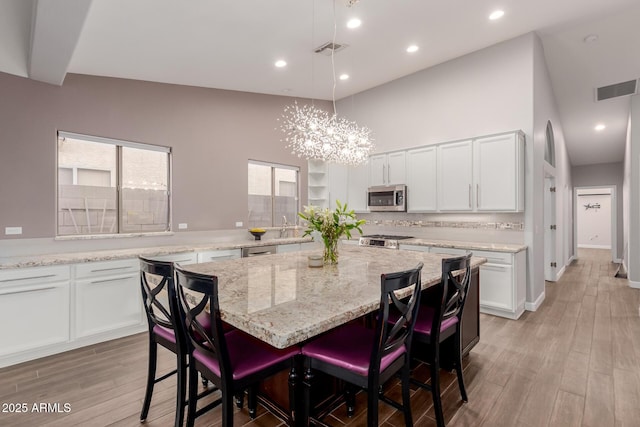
{"x":616,"y":90}
{"x":329,"y":47}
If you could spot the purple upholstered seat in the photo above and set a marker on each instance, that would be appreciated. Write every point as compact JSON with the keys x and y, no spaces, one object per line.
{"x":168,"y":334}
{"x":425,"y":321}
{"x":247,"y":355}
{"x":349,"y":347}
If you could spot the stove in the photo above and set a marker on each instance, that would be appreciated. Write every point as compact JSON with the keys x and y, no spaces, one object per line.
{"x":382,"y":240}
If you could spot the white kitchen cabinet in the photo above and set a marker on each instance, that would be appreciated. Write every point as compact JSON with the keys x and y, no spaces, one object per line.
{"x":388,"y":168}
{"x":422,"y":190}
{"x":503,"y":283}
{"x":499,"y":172}
{"x":455,"y":176}
{"x":107,"y":297}
{"x":357,"y":184}
{"x":218,"y":255}
{"x":338,"y":177}
{"x":34,"y":309}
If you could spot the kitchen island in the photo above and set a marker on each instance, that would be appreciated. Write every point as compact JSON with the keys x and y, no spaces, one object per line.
{"x":282,"y":301}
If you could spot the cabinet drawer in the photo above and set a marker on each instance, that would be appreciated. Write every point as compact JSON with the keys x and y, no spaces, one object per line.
{"x":33,"y":276}
{"x":449,"y":251}
{"x":105,"y":268}
{"x":107,"y":303}
{"x":33,"y":316}
{"x":496,"y":286}
{"x":495,"y":257}
{"x":181,"y":258}
{"x":209,"y":256}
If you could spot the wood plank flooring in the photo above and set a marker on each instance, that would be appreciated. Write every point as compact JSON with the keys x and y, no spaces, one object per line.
{"x":574,"y":362}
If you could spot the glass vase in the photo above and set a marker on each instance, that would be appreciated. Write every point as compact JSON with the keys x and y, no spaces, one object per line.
{"x":330,"y":254}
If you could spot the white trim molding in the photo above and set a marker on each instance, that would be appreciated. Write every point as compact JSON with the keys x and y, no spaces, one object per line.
{"x":560,"y":272}
{"x":534,"y":306}
{"x":634,"y":284}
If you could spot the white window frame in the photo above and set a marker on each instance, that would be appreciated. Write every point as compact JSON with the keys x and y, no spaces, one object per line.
{"x":119,"y":144}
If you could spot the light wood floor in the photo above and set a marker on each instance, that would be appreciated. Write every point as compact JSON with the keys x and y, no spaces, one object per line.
{"x":574,"y":362}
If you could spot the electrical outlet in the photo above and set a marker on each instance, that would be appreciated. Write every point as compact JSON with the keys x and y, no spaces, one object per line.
{"x":183,"y":226}
{"x":12,"y":230}
{"x":238,"y":223}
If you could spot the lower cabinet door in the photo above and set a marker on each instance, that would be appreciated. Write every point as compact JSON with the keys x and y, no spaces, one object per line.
{"x":496,"y":286}
{"x":33,"y":316}
{"x":107,"y":303}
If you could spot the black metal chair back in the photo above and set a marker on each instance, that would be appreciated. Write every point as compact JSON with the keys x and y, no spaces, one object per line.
{"x":208,"y":340}
{"x":158,"y":312}
{"x":391,"y":336}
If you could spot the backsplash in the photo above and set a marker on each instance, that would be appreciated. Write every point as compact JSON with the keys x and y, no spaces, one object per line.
{"x":515,"y":226}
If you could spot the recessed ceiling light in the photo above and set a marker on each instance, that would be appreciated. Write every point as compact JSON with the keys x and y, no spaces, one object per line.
{"x":412,"y":48}
{"x":354,"y":23}
{"x":599,"y":127}
{"x":281,"y":63}
{"x":496,"y":14}
{"x":344,"y":76}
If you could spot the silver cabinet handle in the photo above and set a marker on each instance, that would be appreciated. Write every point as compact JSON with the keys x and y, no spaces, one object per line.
{"x":383,"y":168}
{"x":388,"y":174}
{"x":477,"y":195}
{"x":28,"y":278}
{"x":115,"y":279}
{"x":28,"y":290}
{"x":111,"y":269}
{"x":470,"y":196}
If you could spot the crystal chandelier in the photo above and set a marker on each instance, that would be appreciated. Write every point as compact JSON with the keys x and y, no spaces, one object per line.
{"x":315,"y":135}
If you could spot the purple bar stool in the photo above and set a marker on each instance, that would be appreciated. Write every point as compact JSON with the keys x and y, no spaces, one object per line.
{"x":367,"y":358}
{"x":438,"y":321}
{"x":233,"y":361}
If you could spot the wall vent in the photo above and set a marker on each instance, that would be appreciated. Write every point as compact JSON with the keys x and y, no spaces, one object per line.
{"x":616,"y":90}
{"x":329,"y":47}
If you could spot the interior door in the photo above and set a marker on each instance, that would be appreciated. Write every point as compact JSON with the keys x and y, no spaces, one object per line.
{"x":550,"y":233}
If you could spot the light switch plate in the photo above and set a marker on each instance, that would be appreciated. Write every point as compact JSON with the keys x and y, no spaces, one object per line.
{"x":12,"y":230}
{"x":238,"y":223}
{"x":183,"y":226}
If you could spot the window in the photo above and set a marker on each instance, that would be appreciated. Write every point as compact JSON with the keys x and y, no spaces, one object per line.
{"x":273,"y":194}
{"x":106,"y":186}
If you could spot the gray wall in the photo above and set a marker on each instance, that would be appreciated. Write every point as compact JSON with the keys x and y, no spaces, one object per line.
{"x":212,"y":132}
{"x":604,"y":174}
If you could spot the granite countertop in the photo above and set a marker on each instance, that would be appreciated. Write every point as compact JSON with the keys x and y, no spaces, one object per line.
{"x":109,"y":255}
{"x":279,"y":299}
{"x":494,"y":247}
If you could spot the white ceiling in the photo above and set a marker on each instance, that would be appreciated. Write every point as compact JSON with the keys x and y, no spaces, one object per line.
{"x":233,"y":44}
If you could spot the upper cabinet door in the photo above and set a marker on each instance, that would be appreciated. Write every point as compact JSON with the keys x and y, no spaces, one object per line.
{"x":499,"y":173}
{"x":396,"y":168}
{"x":378,"y":169}
{"x":455,"y":176}
{"x":422,"y":180}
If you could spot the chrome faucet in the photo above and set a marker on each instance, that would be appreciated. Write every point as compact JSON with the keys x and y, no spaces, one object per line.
{"x":283,"y":230}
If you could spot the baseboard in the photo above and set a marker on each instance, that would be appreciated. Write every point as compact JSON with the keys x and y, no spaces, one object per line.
{"x":536,"y":304}
{"x":634,"y":284}
{"x":594,"y":247}
{"x":560,"y":272}
{"x":617,"y":261}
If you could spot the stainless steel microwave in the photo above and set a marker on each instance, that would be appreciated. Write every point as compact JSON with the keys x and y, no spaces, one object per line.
{"x":386,"y":198}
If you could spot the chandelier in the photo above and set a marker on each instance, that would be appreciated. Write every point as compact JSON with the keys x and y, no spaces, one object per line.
{"x":314,"y":134}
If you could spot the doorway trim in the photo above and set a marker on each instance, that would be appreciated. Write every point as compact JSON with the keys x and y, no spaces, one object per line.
{"x":615,"y":257}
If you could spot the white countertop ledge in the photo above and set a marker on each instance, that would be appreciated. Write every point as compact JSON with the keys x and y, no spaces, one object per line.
{"x":494,"y":247}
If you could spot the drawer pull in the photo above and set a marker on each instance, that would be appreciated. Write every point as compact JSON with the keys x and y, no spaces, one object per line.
{"x":29,"y":278}
{"x":494,"y":267}
{"x":28,"y":290}
{"x":111,"y":269}
{"x":109,"y":280}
